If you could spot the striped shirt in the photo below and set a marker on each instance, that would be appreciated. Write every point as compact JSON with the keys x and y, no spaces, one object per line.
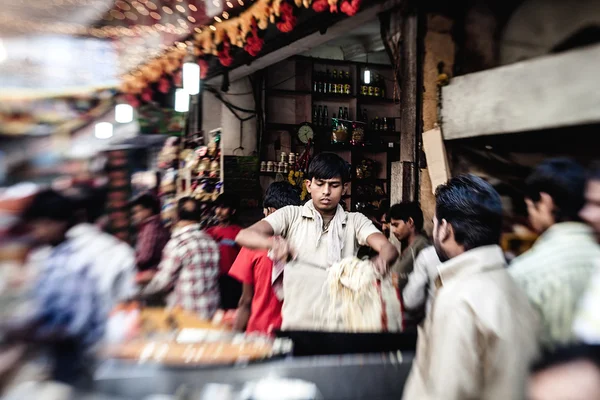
{"x":554,"y":274}
{"x":587,"y":320}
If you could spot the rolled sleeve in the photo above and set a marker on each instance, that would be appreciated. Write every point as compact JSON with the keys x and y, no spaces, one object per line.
{"x":363,"y":228}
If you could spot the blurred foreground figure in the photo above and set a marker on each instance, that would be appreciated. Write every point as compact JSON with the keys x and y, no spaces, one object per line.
{"x":151,"y":237}
{"x":571,"y":373}
{"x":70,"y":319}
{"x":480,"y":336}
{"x":113,"y":261}
{"x":587,"y":321}
{"x":557,"y":269}
{"x":419,"y":292}
{"x":260,"y":309}
{"x":190,"y":266}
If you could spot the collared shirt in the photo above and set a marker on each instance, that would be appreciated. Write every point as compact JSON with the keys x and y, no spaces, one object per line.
{"x":152,"y":238}
{"x":70,"y":306}
{"x":587,"y":320}
{"x":112,"y":262}
{"x":407,"y":259}
{"x":190,"y":265}
{"x":303,"y":283}
{"x":480,"y":336}
{"x":420,"y":289}
{"x":555,"y":273}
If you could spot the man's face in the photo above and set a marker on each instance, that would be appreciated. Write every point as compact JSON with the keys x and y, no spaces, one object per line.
{"x":139,"y":214}
{"x":440,"y":240}
{"x":540,"y":213}
{"x":385,"y":226}
{"x":590,"y":213}
{"x":224,"y":214}
{"x":576,"y":380}
{"x":45,"y":231}
{"x":400,"y":229}
{"x":326,"y":193}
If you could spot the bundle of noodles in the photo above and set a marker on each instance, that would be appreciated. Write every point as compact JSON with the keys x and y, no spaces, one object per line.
{"x":360,"y":299}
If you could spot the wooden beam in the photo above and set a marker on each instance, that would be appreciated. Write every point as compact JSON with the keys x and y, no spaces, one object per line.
{"x":548,"y":92}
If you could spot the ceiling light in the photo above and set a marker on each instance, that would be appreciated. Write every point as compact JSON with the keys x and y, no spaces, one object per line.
{"x":182,"y":100}
{"x":191,"y":73}
{"x":123,"y":113}
{"x":103,"y":130}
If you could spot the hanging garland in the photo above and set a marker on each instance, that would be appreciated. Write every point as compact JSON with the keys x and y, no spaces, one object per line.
{"x":243,"y":31}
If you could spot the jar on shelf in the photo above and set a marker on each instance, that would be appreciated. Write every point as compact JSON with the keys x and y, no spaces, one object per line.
{"x":263,"y":166}
{"x":292,"y":158}
{"x":285,"y":168}
{"x":270,"y":166}
{"x":283,"y":157}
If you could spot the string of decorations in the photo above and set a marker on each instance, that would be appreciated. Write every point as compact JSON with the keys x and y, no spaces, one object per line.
{"x":244,"y":31}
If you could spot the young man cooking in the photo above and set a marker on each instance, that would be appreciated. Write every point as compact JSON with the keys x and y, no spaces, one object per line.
{"x":315,"y":236}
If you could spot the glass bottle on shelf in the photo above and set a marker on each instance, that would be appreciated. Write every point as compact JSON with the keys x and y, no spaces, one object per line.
{"x":382,"y":87}
{"x":376,"y":86}
{"x":340,"y":83}
{"x":370,"y":88}
{"x":348,"y":84}
{"x":325,"y":116}
{"x":315,"y":114}
{"x":326,"y":81}
{"x":341,"y":113}
{"x":319,"y":116}
{"x":321,"y":82}
{"x":315,"y":77}
{"x":331,"y":82}
{"x":346,"y":114}
{"x":384,"y":125}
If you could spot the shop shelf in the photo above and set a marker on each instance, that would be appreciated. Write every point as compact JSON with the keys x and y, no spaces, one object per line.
{"x":332,"y":97}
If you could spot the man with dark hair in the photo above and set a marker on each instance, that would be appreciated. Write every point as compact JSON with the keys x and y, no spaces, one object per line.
{"x":115,"y":274}
{"x":406,"y":224}
{"x":152,"y":235}
{"x":260,"y":309}
{"x":480,"y":336}
{"x":317,"y":234}
{"x":70,"y":318}
{"x":587,"y":320}
{"x":224,"y":234}
{"x":556,"y":270}
{"x":566,"y":373}
{"x":189,"y":268}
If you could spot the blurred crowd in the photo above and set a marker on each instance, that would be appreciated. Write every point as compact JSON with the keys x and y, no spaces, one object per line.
{"x":491,"y":324}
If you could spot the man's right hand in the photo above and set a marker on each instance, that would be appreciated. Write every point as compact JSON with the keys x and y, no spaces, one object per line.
{"x":281,"y":250}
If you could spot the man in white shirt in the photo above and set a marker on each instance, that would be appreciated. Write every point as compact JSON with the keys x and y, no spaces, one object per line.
{"x":480,"y":336}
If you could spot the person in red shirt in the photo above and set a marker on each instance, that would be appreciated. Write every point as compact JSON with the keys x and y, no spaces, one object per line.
{"x":224,"y":233}
{"x":259,"y":308}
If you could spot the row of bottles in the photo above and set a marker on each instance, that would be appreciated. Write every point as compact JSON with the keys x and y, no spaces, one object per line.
{"x":321,"y":115}
{"x":338,"y":82}
{"x":375,"y":88}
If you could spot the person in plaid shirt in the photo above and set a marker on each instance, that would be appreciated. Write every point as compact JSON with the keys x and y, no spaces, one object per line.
{"x":189,"y":269}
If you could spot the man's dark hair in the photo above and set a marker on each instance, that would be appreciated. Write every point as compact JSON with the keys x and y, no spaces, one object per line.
{"x":406,"y":210}
{"x":564,"y":180}
{"x":89,"y":199}
{"x":328,"y":166}
{"x":473,"y":208}
{"x":228,"y":200}
{"x":281,"y":194}
{"x":49,"y":204}
{"x":567,"y":354}
{"x":188,"y":209}
{"x":594,"y":172}
{"x":148,"y":201}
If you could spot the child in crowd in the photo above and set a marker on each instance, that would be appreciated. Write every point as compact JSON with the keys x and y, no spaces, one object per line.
{"x":260,"y":309}
{"x":224,"y":234}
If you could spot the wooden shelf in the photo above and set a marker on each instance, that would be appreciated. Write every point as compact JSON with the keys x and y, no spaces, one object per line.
{"x":287,"y":92}
{"x":332,"y":97}
{"x":372,"y":100}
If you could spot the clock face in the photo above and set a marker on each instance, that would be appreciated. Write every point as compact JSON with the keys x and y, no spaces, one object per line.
{"x":305,"y":133}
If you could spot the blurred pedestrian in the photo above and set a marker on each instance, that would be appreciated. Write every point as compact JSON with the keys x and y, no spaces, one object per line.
{"x":587,"y":320}
{"x":152,"y":236}
{"x":406,"y":224}
{"x":480,"y":336}
{"x":260,"y":309}
{"x":419,"y":292}
{"x":556,"y":270}
{"x":70,"y":318}
{"x":189,"y":268}
{"x":567,"y":373}
{"x":115,"y":274}
{"x":224,"y":233}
